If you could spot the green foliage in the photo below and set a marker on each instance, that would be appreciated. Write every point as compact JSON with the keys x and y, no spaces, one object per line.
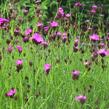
{"x":35,"y":89}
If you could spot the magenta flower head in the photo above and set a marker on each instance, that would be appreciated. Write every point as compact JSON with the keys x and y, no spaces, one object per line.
{"x":19,"y":64}
{"x":67,"y":15}
{"x":44,"y":44}
{"x":58,"y":35}
{"x":94,"y":7}
{"x":25,"y":10}
{"x":17,"y":31}
{"x":81,"y":99}
{"x":75,"y":74}
{"x":40,"y":25}
{"x":19,"y":48}
{"x":78,"y":4}
{"x":10,"y":48}
{"x":11,"y":92}
{"x":54,"y":24}
{"x":28,"y":31}
{"x":47,"y":68}
{"x":37,"y":38}
{"x":94,"y":37}
{"x":26,"y":39}
{"x":103,"y":52}
{"x":101,"y":45}
{"x":60,"y":13}
{"x":46,"y":28}
{"x":64,"y":37}
{"x":93,"y":11}
{"x":76,"y":42}
{"x":3,"y":20}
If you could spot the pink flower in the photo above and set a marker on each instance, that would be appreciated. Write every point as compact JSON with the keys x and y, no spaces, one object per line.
{"x":94,"y":7}
{"x":25,"y":11}
{"x":28,"y":31}
{"x":58,"y":34}
{"x":67,"y":15}
{"x":78,"y":4}
{"x":101,"y":45}
{"x":94,"y":37}
{"x":76,"y":42}
{"x":46,"y":28}
{"x":75,"y":74}
{"x":19,"y":64}
{"x":47,"y":68}
{"x":40,"y":25}
{"x":93,"y":11}
{"x":76,"y":45}
{"x":25,"y":39}
{"x":107,"y":54}
{"x":60,"y":12}
{"x":17,"y":31}
{"x":81,"y":99}
{"x":11,"y":92}
{"x":10,"y":48}
{"x":64,"y":37}
{"x":44,"y":44}
{"x":3,"y":20}
{"x":54,"y":24}
{"x":19,"y":48}
{"x":103,"y":52}
{"x":37,"y":38}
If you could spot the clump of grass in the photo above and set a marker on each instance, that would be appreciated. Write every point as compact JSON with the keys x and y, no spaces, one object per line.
{"x":53,"y":59}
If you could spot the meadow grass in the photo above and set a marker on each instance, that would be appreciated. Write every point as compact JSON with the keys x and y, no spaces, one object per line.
{"x":57,"y":90}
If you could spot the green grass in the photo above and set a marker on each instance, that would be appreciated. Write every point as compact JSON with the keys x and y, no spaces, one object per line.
{"x":56,"y":90}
